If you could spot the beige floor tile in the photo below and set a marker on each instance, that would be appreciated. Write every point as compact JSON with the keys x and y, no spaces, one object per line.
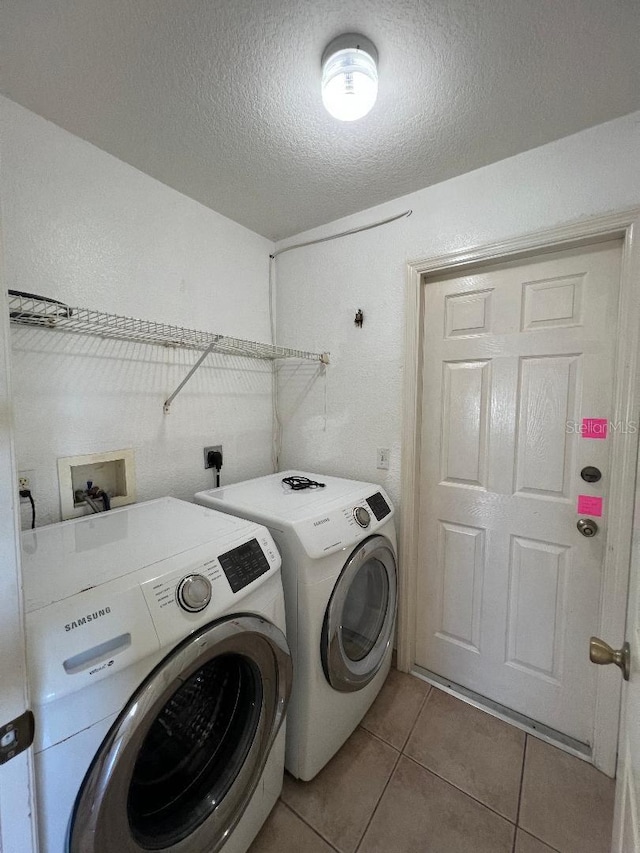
{"x":284,"y":832}
{"x":419,"y":812}
{"x":339,"y":802}
{"x":565,"y":801}
{"x":471,"y":749}
{"x":526,"y":843}
{"x":396,"y":708}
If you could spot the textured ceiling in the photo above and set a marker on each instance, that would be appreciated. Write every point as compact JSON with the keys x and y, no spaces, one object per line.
{"x":220,"y":98}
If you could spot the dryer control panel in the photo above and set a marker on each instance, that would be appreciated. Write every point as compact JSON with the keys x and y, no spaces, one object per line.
{"x":345,"y":526}
{"x":378,"y":506}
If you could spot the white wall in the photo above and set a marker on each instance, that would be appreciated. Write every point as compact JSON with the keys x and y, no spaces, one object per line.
{"x":17,"y":830}
{"x":85,"y":228}
{"x":320,"y":287}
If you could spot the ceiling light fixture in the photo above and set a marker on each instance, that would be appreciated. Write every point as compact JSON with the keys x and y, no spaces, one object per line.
{"x":349,"y":77}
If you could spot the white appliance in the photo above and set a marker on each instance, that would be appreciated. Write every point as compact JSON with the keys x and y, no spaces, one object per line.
{"x":338,"y":547}
{"x":160,"y":676}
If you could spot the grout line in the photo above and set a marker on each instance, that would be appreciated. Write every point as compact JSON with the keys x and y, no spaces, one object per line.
{"x":311,"y":827}
{"x":372,"y":734}
{"x":375,"y":808}
{"x":524,"y":759}
{"x":318,"y":832}
{"x":460,"y":790}
{"x":527,"y":831}
{"x":518,"y":826}
{"x":306,"y":822}
{"x":415,"y":722}
{"x":546,"y":843}
{"x":524,"y":764}
{"x":411,"y":727}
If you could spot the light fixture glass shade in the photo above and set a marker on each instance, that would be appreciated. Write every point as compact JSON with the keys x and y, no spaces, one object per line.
{"x":349,"y":77}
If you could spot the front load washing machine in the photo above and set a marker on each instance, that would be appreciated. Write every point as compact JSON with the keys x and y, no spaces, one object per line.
{"x":338,"y":546}
{"x":160,"y":676}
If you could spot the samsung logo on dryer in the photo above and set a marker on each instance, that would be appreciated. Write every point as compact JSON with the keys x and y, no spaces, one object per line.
{"x":84,"y":620}
{"x":322,"y":521}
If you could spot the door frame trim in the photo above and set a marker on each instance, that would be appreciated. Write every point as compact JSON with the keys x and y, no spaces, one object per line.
{"x":624,"y":225}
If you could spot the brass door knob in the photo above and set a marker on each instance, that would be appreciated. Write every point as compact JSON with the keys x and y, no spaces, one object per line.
{"x":602,"y":653}
{"x":587,"y":526}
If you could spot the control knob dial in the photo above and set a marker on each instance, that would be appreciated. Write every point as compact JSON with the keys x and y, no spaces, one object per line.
{"x":194,"y":593}
{"x":362,"y":516}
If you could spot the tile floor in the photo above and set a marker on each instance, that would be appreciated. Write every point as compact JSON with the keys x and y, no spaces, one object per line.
{"x":426,"y":773}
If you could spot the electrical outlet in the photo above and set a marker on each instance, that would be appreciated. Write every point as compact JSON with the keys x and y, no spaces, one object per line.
{"x":383,"y":454}
{"x":26,"y":480}
{"x":217,"y":448}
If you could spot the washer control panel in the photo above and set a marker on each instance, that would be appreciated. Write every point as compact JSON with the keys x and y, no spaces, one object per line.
{"x":361,"y":516}
{"x":184,"y":588}
{"x":208,"y":584}
{"x":194,"y":593}
{"x":242,"y":565}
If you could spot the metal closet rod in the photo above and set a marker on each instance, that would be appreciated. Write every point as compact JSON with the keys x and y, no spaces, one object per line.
{"x":343,"y":233}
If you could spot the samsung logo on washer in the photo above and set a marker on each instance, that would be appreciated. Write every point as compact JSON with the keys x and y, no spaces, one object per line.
{"x":322,"y":521}
{"x":90,"y":617}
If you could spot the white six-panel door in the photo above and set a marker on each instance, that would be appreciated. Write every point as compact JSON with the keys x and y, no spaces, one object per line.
{"x":515,"y":357}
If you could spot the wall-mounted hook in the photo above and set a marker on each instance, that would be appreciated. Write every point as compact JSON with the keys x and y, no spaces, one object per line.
{"x":359,"y":320}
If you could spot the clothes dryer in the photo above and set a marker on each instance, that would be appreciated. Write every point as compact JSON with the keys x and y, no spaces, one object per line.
{"x":339,"y":571}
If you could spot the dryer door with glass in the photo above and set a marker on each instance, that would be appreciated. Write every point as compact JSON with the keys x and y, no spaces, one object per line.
{"x":184,"y":757}
{"x":358,"y":624}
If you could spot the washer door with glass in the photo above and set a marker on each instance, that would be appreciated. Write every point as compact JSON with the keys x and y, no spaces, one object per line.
{"x":181,"y":762}
{"x":359,"y":620}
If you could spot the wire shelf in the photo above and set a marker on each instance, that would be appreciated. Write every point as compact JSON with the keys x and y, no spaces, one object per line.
{"x":46,"y":313}
{"x":31,"y":310}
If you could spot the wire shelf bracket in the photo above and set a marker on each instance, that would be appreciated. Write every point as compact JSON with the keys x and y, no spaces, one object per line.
{"x":40,"y":312}
{"x":167,"y":403}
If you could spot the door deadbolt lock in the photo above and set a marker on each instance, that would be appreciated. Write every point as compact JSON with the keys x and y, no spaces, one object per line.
{"x":587,"y":526}
{"x":602,"y":653}
{"x":591,"y":474}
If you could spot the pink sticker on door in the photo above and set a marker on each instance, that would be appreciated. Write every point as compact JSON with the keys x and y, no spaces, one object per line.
{"x":594,"y":428}
{"x":590,"y":505}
